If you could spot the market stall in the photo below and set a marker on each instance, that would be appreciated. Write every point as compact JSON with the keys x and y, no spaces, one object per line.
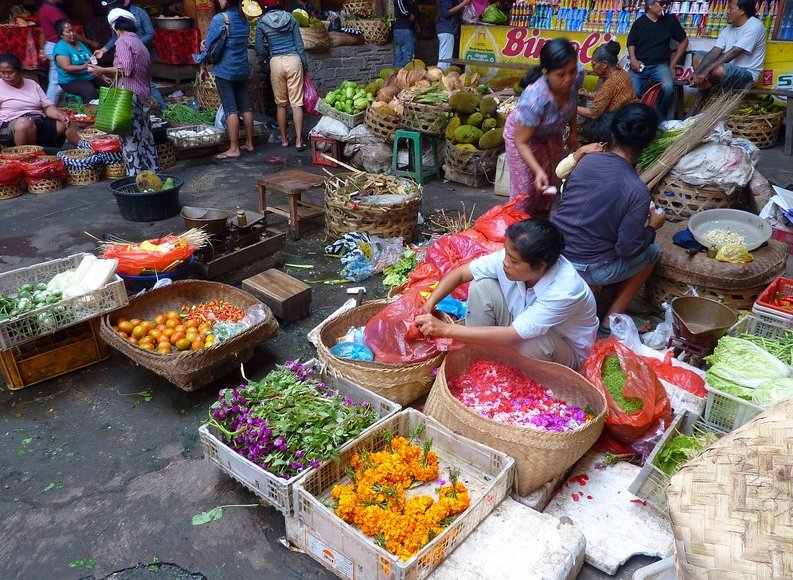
{"x":23,"y":42}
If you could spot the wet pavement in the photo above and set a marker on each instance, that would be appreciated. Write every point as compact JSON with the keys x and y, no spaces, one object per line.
{"x":103,"y":467}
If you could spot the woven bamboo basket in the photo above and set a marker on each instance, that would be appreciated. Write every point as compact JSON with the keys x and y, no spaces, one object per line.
{"x":732,"y":507}
{"x":762,"y":130}
{"x":344,"y":214}
{"x":315,"y":38}
{"x":399,"y":383}
{"x":21,"y":152}
{"x":207,"y":92}
{"x":191,"y":370}
{"x":381,"y":124}
{"x":430,"y":119}
{"x":660,"y":289}
{"x":45,"y":186}
{"x":345,"y":39}
{"x":166,"y":155}
{"x":539,"y":455}
{"x":481,"y":162}
{"x":252,"y":32}
{"x":82,"y":166}
{"x":10,"y":191}
{"x":680,"y":201}
{"x":90,"y":134}
{"x":362,"y":9}
{"x":115,"y":170}
{"x":52,"y":181}
{"x":86,"y":176}
{"x":375,"y":31}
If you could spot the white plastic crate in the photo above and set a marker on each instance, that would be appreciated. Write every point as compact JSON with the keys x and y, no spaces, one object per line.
{"x":727,"y":412}
{"x":650,"y":484}
{"x":487,"y":473}
{"x":276,"y":491}
{"x":350,"y":121}
{"x":25,"y":327}
{"x":751,"y":324}
{"x":772,"y":317}
{"x":195,"y":136}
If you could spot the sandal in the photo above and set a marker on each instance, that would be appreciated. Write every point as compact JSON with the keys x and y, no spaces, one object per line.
{"x":223,"y":156}
{"x":300,"y":147}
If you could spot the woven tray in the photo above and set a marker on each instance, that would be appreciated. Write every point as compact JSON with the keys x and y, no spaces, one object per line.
{"x":375,"y":31}
{"x":344,"y":39}
{"x":399,"y":383}
{"x":10,"y":191}
{"x":79,"y":158}
{"x":762,"y":130}
{"x":90,"y":134}
{"x":363,"y":9}
{"x":315,"y":39}
{"x":475,"y":163}
{"x":660,"y":289}
{"x":431,"y":119}
{"x":191,"y":370}
{"x":539,"y":455}
{"x":732,"y":507}
{"x":166,"y":155}
{"x":680,"y":201}
{"x":381,"y":124}
{"x":21,"y":152}
{"x":344,"y":215}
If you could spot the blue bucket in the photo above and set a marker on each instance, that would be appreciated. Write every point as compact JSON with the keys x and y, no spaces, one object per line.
{"x":135,"y":284}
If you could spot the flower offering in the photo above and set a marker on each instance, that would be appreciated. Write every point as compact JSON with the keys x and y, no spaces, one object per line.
{"x":378,"y":502}
{"x":502,"y":393}
{"x":288,"y":421}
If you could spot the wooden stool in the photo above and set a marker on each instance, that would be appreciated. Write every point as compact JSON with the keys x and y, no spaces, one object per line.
{"x":287,"y":297}
{"x":292,"y":182}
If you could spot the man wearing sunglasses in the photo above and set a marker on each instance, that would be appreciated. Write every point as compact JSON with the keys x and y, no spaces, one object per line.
{"x":650,"y":50}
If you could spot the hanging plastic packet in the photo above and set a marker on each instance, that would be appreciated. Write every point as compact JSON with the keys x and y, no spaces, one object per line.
{"x":734,"y":254}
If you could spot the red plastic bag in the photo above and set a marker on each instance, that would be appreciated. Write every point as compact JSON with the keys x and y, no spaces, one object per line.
{"x":494,"y":222}
{"x":450,"y":251}
{"x":132,"y":260}
{"x":393,"y":337}
{"x":642,"y":383}
{"x":10,"y":173}
{"x":310,"y":96}
{"x":479,"y":238}
{"x":678,"y":376}
{"x":423,"y":277}
{"x":44,"y":168}
{"x":106,"y":145}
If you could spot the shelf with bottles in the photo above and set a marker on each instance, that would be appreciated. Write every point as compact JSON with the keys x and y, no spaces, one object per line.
{"x":784,"y":29}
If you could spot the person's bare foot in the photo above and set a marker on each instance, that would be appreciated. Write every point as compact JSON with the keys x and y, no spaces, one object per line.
{"x":248,"y":148}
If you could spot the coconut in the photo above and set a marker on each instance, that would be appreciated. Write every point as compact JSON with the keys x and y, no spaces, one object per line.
{"x":434,"y":74}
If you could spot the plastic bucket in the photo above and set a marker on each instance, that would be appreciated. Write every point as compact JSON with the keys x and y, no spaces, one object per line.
{"x":135,"y":284}
{"x":146,"y":207}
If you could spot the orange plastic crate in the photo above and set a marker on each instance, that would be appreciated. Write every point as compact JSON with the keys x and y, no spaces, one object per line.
{"x":766,"y":298}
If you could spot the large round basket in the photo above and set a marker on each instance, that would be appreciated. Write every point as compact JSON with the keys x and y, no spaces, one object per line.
{"x":362,"y":9}
{"x":732,"y":507}
{"x":374,"y":31}
{"x":21,"y":152}
{"x":47,"y":180}
{"x":315,"y":38}
{"x":762,"y":130}
{"x":381,"y":124}
{"x":166,"y":155}
{"x":680,"y":201}
{"x":539,"y":455}
{"x":45,"y":186}
{"x":83,"y":166}
{"x":191,"y":370}
{"x":10,"y":191}
{"x":11,"y":185}
{"x":343,"y":214}
{"x":431,"y":119}
{"x":399,"y":383}
{"x":345,"y":39}
{"x":90,"y":134}
{"x":480,"y":162}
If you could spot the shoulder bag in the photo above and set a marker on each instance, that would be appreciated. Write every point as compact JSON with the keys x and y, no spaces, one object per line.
{"x":215,"y":50}
{"x":114,"y":113}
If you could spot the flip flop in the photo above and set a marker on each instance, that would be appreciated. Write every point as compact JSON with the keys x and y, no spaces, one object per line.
{"x":223,"y":156}
{"x":300,"y":147}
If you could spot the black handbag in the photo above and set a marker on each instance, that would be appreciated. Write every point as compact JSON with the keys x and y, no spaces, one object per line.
{"x":216,"y":49}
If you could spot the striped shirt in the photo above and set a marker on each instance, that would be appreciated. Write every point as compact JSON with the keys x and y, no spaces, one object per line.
{"x":132,"y":57}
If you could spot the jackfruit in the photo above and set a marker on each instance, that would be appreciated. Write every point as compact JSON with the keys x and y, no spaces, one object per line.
{"x":488,"y":106}
{"x":415,"y":63}
{"x":467,"y":134}
{"x":452,"y":127}
{"x":147,"y":180}
{"x":453,"y":68}
{"x":379,"y":83}
{"x":488,"y":124}
{"x":517,"y":88}
{"x":501,"y":119}
{"x":493,"y":139}
{"x":301,"y":16}
{"x":467,"y":147}
{"x":475,"y":119}
{"x":384,"y":74}
{"x":464,"y":102}
{"x":371,"y":88}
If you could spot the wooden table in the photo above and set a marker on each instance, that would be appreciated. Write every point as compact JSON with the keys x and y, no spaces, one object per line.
{"x":292,"y":182}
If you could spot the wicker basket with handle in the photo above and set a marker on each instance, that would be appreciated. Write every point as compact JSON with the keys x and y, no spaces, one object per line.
{"x":375,"y":31}
{"x":315,"y":38}
{"x":479,"y":162}
{"x":382,"y":124}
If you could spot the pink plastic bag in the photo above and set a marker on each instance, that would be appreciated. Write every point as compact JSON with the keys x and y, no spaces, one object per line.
{"x":310,"y":96}
{"x":450,"y":251}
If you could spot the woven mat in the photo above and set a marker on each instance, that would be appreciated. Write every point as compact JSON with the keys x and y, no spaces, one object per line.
{"x":675,"y":264}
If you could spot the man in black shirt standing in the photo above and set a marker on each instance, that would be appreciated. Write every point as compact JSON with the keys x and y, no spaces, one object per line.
{"x":651,"y":53}
{"x":405,"y":29}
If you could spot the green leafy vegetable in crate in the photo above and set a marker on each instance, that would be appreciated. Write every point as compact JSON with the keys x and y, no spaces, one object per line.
{"x":183,"y":114}
{"x":614,"y":379}
{"x":739,"y":367}
{"x":683,"y":448}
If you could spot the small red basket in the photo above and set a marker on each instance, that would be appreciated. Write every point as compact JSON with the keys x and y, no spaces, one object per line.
{"x":766,"y":299}
{"x":334,"y":151}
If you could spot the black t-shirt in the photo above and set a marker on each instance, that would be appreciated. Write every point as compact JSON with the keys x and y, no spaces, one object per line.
{"x":651,"y":39}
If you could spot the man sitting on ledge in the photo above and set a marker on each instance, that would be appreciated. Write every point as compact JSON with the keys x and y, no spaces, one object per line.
{"x":736,"y":60}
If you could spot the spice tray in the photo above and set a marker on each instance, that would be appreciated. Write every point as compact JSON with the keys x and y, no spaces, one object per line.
{"x":350,"y":121}
{"x":650,"y":485}
{"x":276,"y":491}
{"x":48,"y":319}
{"x":347,"y":552}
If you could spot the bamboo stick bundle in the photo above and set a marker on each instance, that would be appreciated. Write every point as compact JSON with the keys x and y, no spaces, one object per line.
{"x":693,"y":137}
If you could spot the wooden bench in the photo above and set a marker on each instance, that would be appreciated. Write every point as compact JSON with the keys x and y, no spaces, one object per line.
{"x":292,"y":182}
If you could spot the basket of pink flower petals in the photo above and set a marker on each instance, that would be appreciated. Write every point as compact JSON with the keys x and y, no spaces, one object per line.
{"x":543,"y":414}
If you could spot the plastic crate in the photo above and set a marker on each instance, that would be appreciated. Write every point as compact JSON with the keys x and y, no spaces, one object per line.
{"x":727,"y":412}
{"x":48,"y":357}
{"x":650,"y":485}
{"x":751,"y":324}
{"x":209,"y":136}
{"x":334,"y":150}
{"x":350,"y":121}
{"x":487,"y":473}
{"x":276,"y":491}
{"x":783,"y":235}
{"x":25,"y":327}
{"x":764,"y":307}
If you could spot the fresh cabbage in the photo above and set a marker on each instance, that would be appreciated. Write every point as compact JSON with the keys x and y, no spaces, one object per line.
{"x":773,"y":391}
{"x":739,"y":367}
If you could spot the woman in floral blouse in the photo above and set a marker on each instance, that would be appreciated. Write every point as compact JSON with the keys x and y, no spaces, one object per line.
{"x":534,"y":130}
{"x":617,"y":87}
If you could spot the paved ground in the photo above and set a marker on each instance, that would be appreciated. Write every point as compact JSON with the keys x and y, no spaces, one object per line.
{"x":103,"y":468}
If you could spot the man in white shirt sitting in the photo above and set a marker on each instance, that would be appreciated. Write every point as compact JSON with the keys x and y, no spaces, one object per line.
{"x":526,"y":295}
{"x":736,"y":60}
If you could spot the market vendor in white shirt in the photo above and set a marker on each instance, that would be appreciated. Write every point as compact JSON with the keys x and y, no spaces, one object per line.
{"x":526,"y":295}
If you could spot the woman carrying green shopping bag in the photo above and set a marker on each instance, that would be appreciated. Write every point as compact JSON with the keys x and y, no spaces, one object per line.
{"x":132,"y":66}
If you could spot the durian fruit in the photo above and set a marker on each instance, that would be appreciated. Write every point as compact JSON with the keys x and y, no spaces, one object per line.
{"x":464,"y":102}
{"x":492,"y":139}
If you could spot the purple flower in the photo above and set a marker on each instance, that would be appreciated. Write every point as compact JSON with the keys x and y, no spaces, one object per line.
{"x":296,"y":465}
{"x":278,"y":442}
{"x":314,"y":463}
{"x":299,"y":453}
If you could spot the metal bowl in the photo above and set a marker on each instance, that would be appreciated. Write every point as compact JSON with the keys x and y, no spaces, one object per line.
{"x":213,"y":220}
{"x":173,"y":22}
{"x":755,"y":230}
